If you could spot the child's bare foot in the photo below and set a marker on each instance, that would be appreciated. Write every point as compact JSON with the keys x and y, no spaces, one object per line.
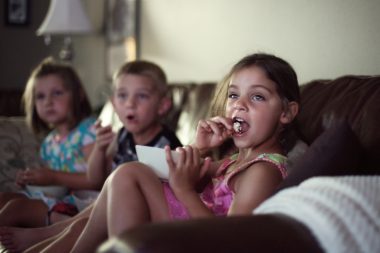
{"x":16,"y":239}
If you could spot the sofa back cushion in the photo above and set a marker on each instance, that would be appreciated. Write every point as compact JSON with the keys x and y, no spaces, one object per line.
{"x":353,"y":98}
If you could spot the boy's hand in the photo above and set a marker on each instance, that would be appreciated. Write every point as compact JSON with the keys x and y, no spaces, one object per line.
{"x":213,"y":132}
{"x":189,"y":169}
{"x":104,"y":136}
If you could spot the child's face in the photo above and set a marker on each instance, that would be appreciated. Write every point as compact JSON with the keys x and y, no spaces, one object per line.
{"x":137,"y":102}
{"x":254,"y":102}
{"x":52,"y":100}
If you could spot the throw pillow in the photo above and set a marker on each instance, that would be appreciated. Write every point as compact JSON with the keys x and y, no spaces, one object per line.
{"x":337,"y":151}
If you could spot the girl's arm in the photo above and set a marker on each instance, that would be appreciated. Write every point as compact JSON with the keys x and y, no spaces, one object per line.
{"x":98,"y":161}
{"x":47,"y":176}
{"x":252,"y":186}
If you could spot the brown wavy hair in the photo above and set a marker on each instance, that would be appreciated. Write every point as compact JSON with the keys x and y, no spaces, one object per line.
{"x":277,"y":70}
{"x":80,"y":105}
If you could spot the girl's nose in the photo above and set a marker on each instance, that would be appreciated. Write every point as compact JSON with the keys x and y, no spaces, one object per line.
{"x":48,"y":99}
{"x":240,"y":104}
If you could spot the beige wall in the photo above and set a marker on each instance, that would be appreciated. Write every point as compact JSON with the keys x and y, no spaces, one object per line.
{"x":200,"y":40}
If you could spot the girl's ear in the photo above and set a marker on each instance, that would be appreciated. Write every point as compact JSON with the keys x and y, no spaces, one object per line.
{"x":165,"y":105}
{"x":290,"y":113}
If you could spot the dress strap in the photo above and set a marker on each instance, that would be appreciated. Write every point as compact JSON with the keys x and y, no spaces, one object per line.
{"x":276,"y":159}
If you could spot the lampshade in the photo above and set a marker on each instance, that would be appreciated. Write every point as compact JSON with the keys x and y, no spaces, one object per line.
{"x":65,"y":17}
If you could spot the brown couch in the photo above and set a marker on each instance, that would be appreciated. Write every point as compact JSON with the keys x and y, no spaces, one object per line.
{"x":336,"y":148}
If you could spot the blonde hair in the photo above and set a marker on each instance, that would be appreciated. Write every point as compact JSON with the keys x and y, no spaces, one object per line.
{"x":144,"y":68}
{"x":80,"y":105}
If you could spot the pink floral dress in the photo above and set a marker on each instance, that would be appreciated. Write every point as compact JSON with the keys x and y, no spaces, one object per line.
{"x":218,"y":196}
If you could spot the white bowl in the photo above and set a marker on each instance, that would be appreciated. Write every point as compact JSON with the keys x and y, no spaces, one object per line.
{"x":84,"y":198}
{"x":55,"y":191}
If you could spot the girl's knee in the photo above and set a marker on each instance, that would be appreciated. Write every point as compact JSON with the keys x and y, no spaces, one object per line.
{"x":6,"y":197}
{"x":131,"y":172}
{"x":17,"y":203}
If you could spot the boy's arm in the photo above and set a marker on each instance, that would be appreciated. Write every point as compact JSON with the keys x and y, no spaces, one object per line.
{"x":99,"y":162}
{"x":99,"y":165}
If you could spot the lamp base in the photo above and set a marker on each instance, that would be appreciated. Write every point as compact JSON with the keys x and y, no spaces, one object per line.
{"x":67,"y":52}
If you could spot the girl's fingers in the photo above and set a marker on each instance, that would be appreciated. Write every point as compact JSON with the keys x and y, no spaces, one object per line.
{"x":181,"y":157}
{"x":205,"y":166}
{"x":188,"y":156}
{"x":196,"y":156}
{"x":216,"y":128}
{"x":218,"y":125}
{"x":169,"y":158}
{"x":225,"y":122}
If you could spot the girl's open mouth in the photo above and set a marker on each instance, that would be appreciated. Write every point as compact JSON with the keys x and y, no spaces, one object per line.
{"x":239,"y":125}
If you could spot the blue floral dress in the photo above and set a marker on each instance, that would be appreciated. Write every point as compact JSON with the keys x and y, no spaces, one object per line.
{"x":65,"y":155}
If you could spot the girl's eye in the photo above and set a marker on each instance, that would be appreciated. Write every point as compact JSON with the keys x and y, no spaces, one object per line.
{"x":122,"y":95}
{"x":58,"y":93}
{"x":257,"y":98}
{"x":232,"y":95}
{"x":39,"y":96}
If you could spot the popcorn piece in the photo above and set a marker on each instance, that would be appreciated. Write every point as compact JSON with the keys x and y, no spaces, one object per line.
{"x":237,"y":127}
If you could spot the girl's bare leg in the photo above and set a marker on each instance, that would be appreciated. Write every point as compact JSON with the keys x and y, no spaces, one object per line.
{"x":131,"y":196}
{"x":5,"y":197}
{"x":23,"y":238}
{"x":62,"y":242}
{"x":24,"y":212}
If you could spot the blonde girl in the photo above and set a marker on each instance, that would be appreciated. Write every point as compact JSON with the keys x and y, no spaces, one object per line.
{"x":56,"y":104}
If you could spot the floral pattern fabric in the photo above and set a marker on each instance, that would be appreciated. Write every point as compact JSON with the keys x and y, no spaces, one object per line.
{"x":66,"y":155}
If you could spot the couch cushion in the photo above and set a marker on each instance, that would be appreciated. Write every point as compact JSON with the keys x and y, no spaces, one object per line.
{"x":18,"y":150}
{"x":354,"y":98}
{"x":335,"y":152}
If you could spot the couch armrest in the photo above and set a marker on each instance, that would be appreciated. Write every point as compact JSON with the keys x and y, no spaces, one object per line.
{"x":18,"y":150}
{"x":258,"y":233}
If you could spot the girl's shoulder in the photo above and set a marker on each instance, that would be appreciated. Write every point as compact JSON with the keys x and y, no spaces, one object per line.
{"x":278,"y":160}
{"x":84,"y":133}
{"x":272,"y":157}
{"x":86,"y":123}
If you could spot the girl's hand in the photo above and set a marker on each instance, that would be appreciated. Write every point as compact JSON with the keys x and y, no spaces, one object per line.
{"x":43,"y":176}
{"x":20,"y":179}
{"x":104,"y":136}
{"x":187,"y":171}
{"x":213,"y":132}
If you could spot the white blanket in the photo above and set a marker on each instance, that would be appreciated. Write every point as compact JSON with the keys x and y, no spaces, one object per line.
{"x":343,"y":213}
